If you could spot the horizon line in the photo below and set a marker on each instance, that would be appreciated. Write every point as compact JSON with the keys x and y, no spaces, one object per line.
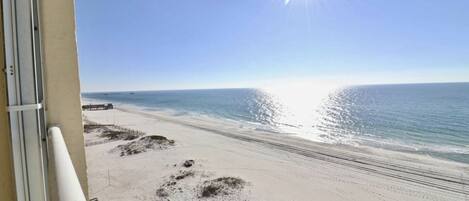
{"x":187,"y":89}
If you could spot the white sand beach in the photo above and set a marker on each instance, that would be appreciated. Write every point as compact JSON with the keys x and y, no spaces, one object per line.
{"x":271,"y":167}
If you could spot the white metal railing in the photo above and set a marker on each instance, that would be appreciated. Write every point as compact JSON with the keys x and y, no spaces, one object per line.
{"x":68,"y":186}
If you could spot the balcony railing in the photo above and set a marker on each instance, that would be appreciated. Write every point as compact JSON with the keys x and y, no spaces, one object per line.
{"x":68,"y":185}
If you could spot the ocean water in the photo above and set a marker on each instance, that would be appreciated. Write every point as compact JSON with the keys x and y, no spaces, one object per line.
{"x":429,"y":119}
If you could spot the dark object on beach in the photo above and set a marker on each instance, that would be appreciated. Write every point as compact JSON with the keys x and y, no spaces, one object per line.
{"x":188,"y":163}
{"x":221,"y":186}
{"x":144,"y":144}
{"x":92,"y":107}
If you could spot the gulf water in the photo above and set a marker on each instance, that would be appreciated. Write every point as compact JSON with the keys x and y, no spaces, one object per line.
{"x":428,"y":119}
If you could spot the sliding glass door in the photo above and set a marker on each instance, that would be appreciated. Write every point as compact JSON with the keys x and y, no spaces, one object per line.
{"x":25,"y":97}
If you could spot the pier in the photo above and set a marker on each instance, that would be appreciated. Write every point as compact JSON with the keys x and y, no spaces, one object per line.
{"x":91,"y":107}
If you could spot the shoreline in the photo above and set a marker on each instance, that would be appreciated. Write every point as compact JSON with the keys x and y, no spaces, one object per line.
{"x":263,"y":159}
{"x":205,"y":121}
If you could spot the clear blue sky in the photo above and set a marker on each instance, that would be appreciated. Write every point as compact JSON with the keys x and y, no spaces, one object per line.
{"x":174,"y":44}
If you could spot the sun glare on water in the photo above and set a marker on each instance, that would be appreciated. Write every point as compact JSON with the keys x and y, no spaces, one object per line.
{"x":299,"y":102}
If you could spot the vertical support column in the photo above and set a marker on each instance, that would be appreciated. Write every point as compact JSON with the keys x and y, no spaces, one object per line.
{"x":62,"y":83}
